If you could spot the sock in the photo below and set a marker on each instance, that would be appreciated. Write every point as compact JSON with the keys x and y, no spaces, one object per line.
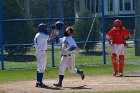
{"x":61,"y":77}
{"x":78,"y":71}
{"x":37,"y":75}
{"x":40,"y":77}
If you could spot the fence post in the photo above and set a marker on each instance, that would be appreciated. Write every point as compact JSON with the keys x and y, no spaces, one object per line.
{"x":52,"y":46}
{"x":61,"y":7}
{"x":103,"y":31}
{"x":1,"y":37}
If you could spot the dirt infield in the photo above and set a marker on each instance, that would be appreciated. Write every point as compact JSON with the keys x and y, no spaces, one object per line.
{"x":75,"y":84}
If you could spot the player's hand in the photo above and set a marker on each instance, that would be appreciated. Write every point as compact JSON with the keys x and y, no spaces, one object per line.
{"x":56,"y":31}
{"x":46,"y":69}
{"x":53,"y":27}
{"x":67,"y":50}
{"x":125,"y":44}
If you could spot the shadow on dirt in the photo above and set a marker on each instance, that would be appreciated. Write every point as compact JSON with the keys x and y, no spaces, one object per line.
{"x":79,"y":87}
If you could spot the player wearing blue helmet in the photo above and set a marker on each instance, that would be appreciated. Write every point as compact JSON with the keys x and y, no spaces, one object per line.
{"x":68,"y":56}
{"x":40,"y":43}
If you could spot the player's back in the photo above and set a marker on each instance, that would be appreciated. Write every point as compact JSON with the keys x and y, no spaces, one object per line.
{"x":40,"y":41}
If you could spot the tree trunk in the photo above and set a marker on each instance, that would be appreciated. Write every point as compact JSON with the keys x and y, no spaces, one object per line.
{"x":137,"y":28}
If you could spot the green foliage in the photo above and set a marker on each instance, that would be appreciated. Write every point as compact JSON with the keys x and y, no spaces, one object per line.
{"x":16,"y":32}
{"x":68,"y":8}
{"x":40,"y":8}
{"x":82,"y":28}
{"x":23,"y":32}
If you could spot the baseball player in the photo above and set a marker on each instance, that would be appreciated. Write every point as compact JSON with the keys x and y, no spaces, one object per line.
{"x":117,"y":37}
{"x":68,"y":56}
{"x":40,"y":44}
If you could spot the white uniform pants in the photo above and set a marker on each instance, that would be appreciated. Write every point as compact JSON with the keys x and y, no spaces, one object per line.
{"x":67,"y":62}
{"x":118,"y":49}
{"x":41,"y":61}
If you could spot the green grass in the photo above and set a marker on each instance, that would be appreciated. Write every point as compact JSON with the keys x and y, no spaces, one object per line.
{"x":2,"y":91}
{"x":21,"y":75}
{"x":81,"y":58}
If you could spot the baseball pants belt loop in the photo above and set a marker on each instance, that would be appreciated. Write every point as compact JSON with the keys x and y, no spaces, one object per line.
{"x":66,"y":55}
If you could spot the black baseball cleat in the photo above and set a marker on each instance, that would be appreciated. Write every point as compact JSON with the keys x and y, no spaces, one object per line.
{"x":58,"y":85}
{"x":82,"y":74}
{"x":37,"y":84}
{"x":41,"y":85}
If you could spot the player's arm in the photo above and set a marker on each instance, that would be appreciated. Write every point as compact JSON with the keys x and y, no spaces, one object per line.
{"x":109,"y":39}
{"x":53,"y":34}
{"x":127,"y":35}
{"x":56,"y":28}
{"x":109,"y":36}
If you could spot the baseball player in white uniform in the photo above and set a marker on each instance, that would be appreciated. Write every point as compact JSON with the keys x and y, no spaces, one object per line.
{"x":40,"y":44}
{"x":68,"y":56}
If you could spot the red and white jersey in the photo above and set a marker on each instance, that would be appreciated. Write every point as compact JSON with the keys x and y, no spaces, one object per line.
{"x":118,"y":35}
{"x":40,"y":41}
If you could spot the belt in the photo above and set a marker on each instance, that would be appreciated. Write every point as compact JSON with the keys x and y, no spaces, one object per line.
{"x":44,"y":50}
{"x":66,"y":55}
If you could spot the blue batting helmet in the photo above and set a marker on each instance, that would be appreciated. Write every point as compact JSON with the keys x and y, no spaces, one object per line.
{"x":59,"y":25}
{"x":42,"y":27}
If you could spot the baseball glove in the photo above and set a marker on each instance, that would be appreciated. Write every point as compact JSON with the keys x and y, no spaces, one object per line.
{"x":59,"y":25}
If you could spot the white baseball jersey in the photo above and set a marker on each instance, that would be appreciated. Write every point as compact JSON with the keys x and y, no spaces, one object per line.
{"x":40,"y":41}
{"x":67,"y":42}
{"x":40,"y":44}
{"x":68,"y":57}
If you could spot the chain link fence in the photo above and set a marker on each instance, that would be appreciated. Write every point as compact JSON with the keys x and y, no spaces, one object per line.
{"x":21,"y":18}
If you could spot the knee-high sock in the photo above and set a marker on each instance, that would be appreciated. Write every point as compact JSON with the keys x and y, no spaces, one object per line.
{"x":39,"y":77}
{"x":121,"y":63}
{"x":114,"y":62}
{"x":61,"y":77}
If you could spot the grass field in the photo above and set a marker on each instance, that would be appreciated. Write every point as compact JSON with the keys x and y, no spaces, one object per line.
{"x":91,"y":58}
{"x":95,"y":57}
{"x":21,"y":75}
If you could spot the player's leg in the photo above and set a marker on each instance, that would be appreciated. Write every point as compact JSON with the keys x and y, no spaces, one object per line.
{"x":121,"y":64}
{"x":71,"y":67}
{"x":114,"y":60}
{"x":121,"y":59}
{"x":62,"y":67}
{"x":41,"y":65}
